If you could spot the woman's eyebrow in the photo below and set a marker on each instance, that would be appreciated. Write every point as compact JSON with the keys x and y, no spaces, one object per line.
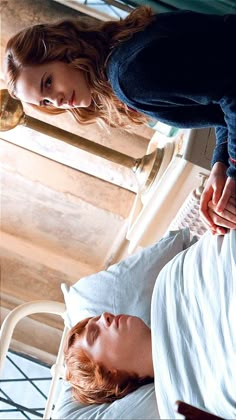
{"x":41,"y":83}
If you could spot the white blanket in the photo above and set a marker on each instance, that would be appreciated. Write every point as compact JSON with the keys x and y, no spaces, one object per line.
{"x":193,"y":321}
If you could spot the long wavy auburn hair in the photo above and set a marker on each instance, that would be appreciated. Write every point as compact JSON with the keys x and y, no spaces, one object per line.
{"x":85,"y":46}
{"x":91,"y":382}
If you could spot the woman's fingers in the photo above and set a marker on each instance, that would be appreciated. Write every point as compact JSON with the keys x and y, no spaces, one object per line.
{"x":204,"y":210}
{"x":228,"y":214}
{"x":231,"y":206}
{"x":217,"y":193}
{"x":221,"y":222}
{"x":228,"y":191}
{"x":217,"y":180}
{"x":218,"y":201}
{"x":232,"y":201}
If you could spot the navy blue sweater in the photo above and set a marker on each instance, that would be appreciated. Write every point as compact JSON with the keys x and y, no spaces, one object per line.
{"x":181,"y":70}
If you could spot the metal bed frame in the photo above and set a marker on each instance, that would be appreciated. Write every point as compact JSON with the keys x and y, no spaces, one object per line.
{"x":7,"y":329}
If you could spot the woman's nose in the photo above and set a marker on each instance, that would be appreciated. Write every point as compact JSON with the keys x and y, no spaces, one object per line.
{"x":107,"y":318}
{"x":56,"y":100}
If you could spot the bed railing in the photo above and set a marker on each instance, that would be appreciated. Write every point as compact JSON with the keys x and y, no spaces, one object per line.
{"x":7,"y":329}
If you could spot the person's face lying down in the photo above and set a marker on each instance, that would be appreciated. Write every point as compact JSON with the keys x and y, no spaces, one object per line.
{"x":120,"y":342}
{"x":55,"y":84}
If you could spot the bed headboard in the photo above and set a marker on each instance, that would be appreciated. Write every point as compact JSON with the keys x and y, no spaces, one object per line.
{"x":173,"y":200}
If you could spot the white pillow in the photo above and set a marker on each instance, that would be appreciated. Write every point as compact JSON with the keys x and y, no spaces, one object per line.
{"x":126,"y":287}
{"x":140,"y":404}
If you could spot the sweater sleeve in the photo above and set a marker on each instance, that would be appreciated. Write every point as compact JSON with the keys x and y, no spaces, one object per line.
{"x":175,"y":103}
{"x":220,"y":153}
{"x":184,"y":76}
{"x":227,"y":136}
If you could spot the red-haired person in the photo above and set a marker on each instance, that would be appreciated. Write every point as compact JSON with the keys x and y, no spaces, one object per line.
{"x":108,"y":357}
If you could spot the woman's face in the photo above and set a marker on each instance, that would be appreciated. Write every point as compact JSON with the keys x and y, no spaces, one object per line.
{"x":118,"y":342}
{"x":54,"y":84}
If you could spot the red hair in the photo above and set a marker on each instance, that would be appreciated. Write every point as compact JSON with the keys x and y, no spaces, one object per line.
{"x":91,"y":382}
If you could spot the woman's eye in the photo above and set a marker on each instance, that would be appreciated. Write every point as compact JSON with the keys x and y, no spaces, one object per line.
{"x":46,"y":102}
{"x":48,"y":82}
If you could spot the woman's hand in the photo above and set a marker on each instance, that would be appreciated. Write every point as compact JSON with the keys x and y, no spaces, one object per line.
{"x":212,"y":192}
{"x":224,"y":220}
{"x":228,"y":191}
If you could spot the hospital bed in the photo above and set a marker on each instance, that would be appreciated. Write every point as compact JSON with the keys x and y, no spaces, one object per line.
{"x":161,"y":235}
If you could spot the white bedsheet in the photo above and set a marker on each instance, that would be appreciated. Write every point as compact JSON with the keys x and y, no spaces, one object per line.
{"x":193,"y":320}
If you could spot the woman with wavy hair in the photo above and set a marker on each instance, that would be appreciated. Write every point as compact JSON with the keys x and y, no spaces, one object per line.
{"x":176,"y":67}
{"x":108,"y":357}
{"x":84,"y":48}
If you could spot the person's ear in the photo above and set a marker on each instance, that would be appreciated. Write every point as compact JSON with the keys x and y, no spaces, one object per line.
{"x":119,"y":376}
